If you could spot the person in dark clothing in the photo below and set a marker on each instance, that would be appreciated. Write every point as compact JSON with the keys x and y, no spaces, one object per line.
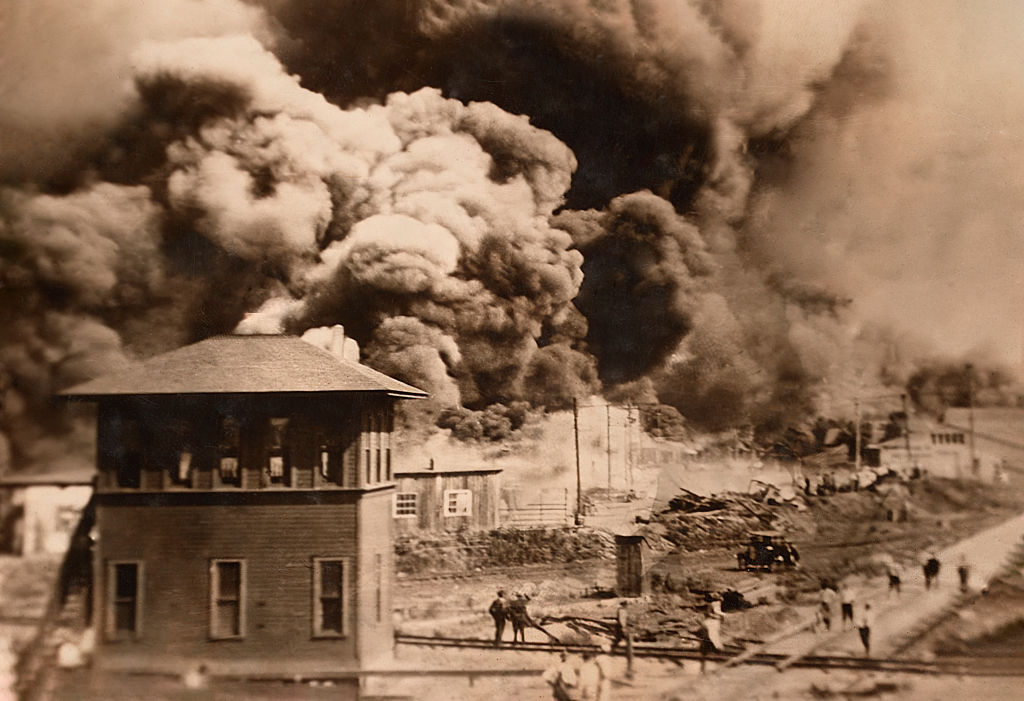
{"x":864,"y":622}
{"x":963,"y":570}
{"x":519,"y":617}
{"x":931,"y":571}
{"x":499,"y":612}
{"x":621,"y":624}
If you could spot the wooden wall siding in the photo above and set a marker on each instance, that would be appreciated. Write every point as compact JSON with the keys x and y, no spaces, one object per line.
{"x":630,"y":576}
{"x":278,"y":542}
{"x":430,"y":489}
{"x":375,"y":539}
{"x":336,"y":423}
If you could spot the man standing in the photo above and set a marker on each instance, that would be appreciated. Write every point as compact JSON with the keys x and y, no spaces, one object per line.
{"x":846,"y":599}
{"x":562,"y":677}
{"x":621,"y":624}
{"x":499,"y":612}
{"x":520,"y":617}
{"x":895,"y":572}
{"x":864,"y":621}
{"x":963,"y":569}
{"x":828,"y":605}
{"x":710,"y":637}
{"x":931,"y":570}
{"x":589,"y":677}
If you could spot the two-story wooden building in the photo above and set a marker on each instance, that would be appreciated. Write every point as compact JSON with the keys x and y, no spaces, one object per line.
{"x":244,"y":510}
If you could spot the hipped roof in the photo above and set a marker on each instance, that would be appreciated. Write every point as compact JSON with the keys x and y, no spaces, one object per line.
{"x":244,"y":365}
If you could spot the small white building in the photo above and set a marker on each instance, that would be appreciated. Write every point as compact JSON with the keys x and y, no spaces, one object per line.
{"x":945,"y":448}
{"x":39,"y":512}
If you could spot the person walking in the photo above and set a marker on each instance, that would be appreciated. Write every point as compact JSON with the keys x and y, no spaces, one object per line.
{"x":710,"y":635}
{"x":895,"y":573}
{"x":604,"y":663}
{"x":563,"y":678}
{"x":827,"y":605}
{"x":499,"y":612}
{"x":963,"y":570}
{"x":931,"y":569}
{"x":865,"y":619}
{"x":621,"y":624}
{"x":589,"y":677}
{"x":846,"y":599}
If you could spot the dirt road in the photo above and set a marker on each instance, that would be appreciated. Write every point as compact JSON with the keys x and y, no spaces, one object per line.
{"x":987,"y":552}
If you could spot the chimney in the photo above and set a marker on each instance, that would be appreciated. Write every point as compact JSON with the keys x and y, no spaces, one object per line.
{"x":342,"y":346}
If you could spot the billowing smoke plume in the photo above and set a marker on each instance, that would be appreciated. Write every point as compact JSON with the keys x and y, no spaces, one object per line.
{"x":746,"y":209}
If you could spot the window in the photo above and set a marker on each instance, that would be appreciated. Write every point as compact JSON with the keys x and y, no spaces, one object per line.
{"x":227,"y":599}
{"x":329,"y":589}
{"x":458,"y":502}
{"x":277,"y":467}
{"x":183,"y":473}
{"x":405,"y":504}
{"x":129,"y":458}
{"x":365,"y":439}
{"x":230,"y":433}
{"x":377,"y":426}
{"x":124,"y":600}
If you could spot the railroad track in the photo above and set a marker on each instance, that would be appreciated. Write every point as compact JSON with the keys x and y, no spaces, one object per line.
{"x":954,"y":666}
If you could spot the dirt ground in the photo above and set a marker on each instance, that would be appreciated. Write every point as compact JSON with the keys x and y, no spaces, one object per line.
{"x":839,"y":536}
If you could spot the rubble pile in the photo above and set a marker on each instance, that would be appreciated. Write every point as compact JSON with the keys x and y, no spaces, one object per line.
{"x":469,"y":551}
{"x":698,"y":522}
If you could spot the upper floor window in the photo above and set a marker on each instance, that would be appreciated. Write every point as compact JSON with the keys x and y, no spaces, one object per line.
{"x":182,"y":472}
{"x":277,"y":467}
{"x":129,"y":456}
{"x":230,"y":437}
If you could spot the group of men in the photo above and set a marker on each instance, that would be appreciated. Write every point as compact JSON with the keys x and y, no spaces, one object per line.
{"x":851,"y":616}
{"x":513,"y":610}
{"x":861,"y":618}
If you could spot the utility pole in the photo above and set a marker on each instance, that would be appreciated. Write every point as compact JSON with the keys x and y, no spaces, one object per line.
{"x":608,"y":415}
{"x":970,"y":416}
{"x":906,"y":429}
{"x":856,"y":433}
{"x":579,"y":483}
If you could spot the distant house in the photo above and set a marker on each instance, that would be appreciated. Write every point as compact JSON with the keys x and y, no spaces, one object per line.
{"x":39,"y":512}
{"x":945,"y":448}
{"x":243,"y":510}
{"x":444,"y":499}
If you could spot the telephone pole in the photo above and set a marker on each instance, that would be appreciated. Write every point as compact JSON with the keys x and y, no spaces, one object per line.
{"x":856,"y":433}
{"x":906,"y":429}
{"x":608,"y":416}
{"x":970,"y":416}
{"x":579,"y":483}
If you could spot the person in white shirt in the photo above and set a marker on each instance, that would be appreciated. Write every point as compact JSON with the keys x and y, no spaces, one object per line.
{"x":846,"y":599}
{"x":865,"y":619}
{"x":563,"y":678}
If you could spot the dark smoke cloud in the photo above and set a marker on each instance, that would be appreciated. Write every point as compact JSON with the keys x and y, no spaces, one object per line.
{"x":723,"y":205}
{"x":641,"y":271}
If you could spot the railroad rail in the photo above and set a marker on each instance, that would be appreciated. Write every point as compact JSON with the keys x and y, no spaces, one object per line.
{"x":951,"y":666}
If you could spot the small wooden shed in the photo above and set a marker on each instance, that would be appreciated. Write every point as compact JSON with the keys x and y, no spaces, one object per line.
{"x":446,"y":499}
{"x":630,"y":569}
